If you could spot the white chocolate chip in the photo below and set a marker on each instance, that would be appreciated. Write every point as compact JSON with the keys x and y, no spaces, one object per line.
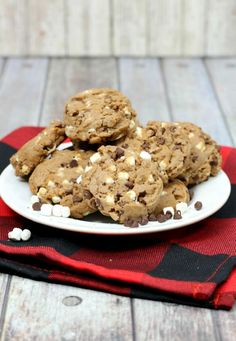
{"x":42,"y":191}
{"x":56,"y":210}
{"x":169,"y":209}
{"x":56,"y":199}
{"x":87,"y":168}
{"x":191,"y":135}
{"x":91,"y":130}
{"x":112,"y":168}
{"x":201,"y":146}
{"x":46,"y":209}
{"x":65,"y":182}
{"x":145,"y":155}
{"x":151,"y":179}
{"x":123,"y":175}
{"x":109,"y":181}
{"x":79,"y":179}
{"x":110,"y":199}
{"x":163,"y":165}
{"x":25,"y":169}
{"x":34,"y":199}
{"x":139,"y":131}
{"x":25,"y":235}
{"x":132,"y":124}
{"x":163,"y":193}
{"x":95,"y":157}
{"x":51,"y":184}
{"x":131,"y":195}
{"x":130,"y":160}
{"x":182,"y":207}
{"x":65,"y":211}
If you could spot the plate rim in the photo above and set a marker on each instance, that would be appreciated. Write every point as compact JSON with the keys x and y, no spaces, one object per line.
{"x":57,"y":222}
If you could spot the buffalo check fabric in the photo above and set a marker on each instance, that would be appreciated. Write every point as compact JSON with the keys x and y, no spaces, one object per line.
{"x":195,"y":265}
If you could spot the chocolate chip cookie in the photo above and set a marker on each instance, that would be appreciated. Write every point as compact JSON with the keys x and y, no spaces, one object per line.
{"x":38,"y":148}
{"x":58,"y":181}
{"x":124,"y":183}
{"x":99,"y":115}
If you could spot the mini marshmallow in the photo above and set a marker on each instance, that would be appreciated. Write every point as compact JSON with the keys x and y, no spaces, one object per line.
{"x":15,"y":234}
{"x":25,"y":235}
{"x":87,"y":168}
{"x":139,"y":131}
{"x":169,"y":209}
{"x":56,"y":199}
{"x":130,"y":160}
{"x":132,"y":195}
{"x":34,"y":199}
{"x":109,"y":181}
{"x":110,"y":199}
{"x":65,"y":211}
{"x":95,"y":157}
{"x":182,"y":207}
{"x":46,"y":209}
{"x":56,"y":210}
{"x":79,"y":179}
{"x":123,"y":175}
{"x":145,"y":155}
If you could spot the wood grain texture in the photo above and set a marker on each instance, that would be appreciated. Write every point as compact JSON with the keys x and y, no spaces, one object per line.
{"x":225,"y":325}
{"x":64,"y":313}
{"x":221,"y":28}
{"x":164,"y":26}
{"x":13,"y":27}
{"x":77,"y":75}
{"x":129,"y":27}
{"x":3,"y":291}
{"x":141,"y":81}
{"x":192,"y":97}
{"x":88,"y":27}
{"x":46,"y":33}
{"x":193,"y":27}
{"x":21,"y":91}
{"x":163,"y":321}
{"x":223,"y":76}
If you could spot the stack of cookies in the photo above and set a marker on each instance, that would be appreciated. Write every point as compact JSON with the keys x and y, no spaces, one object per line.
{"x":113,"y":165}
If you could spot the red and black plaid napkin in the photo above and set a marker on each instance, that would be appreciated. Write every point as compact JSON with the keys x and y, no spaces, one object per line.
{"x":194,"y":265}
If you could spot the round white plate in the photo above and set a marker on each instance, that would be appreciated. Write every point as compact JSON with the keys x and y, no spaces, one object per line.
{"x":212,"y":193}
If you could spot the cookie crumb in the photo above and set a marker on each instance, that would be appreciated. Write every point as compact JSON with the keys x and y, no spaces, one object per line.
{"x":177,"y":215}
{"x":37,"y":206}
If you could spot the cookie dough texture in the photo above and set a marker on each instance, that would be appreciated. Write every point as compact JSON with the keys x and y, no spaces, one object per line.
{"x":124,"y":185}
{"x":38,"y":148}
{"x":99,"y":115}
{"x":58,"y":181}
{"x":173,"y":193}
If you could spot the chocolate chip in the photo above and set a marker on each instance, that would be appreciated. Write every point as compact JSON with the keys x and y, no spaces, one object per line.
{"x":152,"y":217}
{"x":168,"y":215}
{"x":191,"y":194}
{"x":119,"y":152}
{"x":131,"y":223}
{"x":161,"y":218}
{"x":214,"y":163}
{"x":118,"y":196}
{"x":68,"y":191}
{"x":129,"y":184}
{"x":177,"y":215}
{"x":63,"y":164}
{"x":93,"y":203}
{"x":77,"y":199}
{"x":37,"y":206}
{"x":87,"y":194}
{"x":145,"y":145}
{"x":194,"y":158}
{"x":161,"y":141}
{"x":98,"y":202}
{"x":163,"y":130}
{"x":73,"y":163}
{"x":198,"y":205}
{"x":143,"y":220}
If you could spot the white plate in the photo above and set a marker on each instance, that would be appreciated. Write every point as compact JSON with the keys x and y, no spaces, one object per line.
{"x":212,"y":193}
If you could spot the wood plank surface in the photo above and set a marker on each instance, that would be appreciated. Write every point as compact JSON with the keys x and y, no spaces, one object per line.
{"x":88,"y":27}
{"x":221,"y":28}
{"x":141,"y":80}
{"x":223,"y":77}
{"x":77,"y":75}
{"x":46,"y":32}
{"x":129,"y":27}
{"x":13,"y":27}
{"x":164,"y":27}
{"x":192,"y":97}
{"x":64,"y":313}
{"x":21,"y":90}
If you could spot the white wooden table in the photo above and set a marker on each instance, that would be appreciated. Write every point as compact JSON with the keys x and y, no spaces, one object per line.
{"x":32,"y":92}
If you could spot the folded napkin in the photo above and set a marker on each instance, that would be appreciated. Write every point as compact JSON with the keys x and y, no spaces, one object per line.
{"x":195,"y":265}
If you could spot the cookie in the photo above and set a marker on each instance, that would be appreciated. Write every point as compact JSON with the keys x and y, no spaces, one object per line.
{"x":173,"y":193}
{"x":204,"y":159}
{"x":125,"y":185}
{"x":58,"y":181}
{"x":98,"y":115}
{"x":37,"y":149}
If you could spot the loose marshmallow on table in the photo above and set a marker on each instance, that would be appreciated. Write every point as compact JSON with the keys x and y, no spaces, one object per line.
{"x":15,"y":234}
{"x":182,"y":207}
{"x":25,"y":235}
